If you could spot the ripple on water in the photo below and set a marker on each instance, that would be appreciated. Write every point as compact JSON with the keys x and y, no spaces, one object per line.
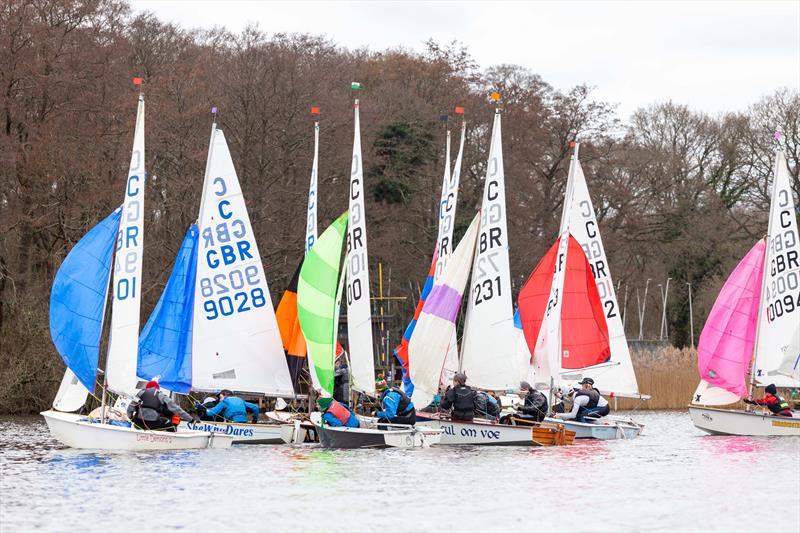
{"x":672,"y":478}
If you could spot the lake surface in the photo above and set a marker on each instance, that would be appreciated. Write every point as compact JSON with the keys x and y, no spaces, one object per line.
{"x":672,"y":478}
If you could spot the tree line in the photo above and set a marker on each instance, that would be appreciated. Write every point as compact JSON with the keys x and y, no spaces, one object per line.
{"x":678,"y":193}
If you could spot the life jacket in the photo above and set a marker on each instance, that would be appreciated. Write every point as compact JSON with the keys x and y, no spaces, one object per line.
{"x":339,"y":411}
{"x":149,"y":399}
{"x":463,"y":402}
{"x":403,"y":405}
{"x":593,"y":395}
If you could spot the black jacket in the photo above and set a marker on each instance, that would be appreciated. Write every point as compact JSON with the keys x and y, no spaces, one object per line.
{"x":535,"y":404}
{"x":462,"y":401}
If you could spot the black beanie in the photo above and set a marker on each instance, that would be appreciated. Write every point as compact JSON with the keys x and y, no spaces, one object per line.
{"x":771,"y":389}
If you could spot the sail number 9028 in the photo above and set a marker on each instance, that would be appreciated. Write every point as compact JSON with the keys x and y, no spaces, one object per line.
{"x":236,"y":291}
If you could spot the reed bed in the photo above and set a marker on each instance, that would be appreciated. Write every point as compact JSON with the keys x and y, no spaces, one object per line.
{"x":667,"y":374}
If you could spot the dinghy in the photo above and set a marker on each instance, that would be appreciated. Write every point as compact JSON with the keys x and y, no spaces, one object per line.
{"x":754,"y":322}
{"x":570,"y":315}
{"x":369,"y":435}
{"x":77,"y":312}
{"x":489,"y":326}
{"x":214,"y":326}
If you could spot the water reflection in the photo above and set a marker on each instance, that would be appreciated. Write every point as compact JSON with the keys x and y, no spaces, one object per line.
{"x":662,"y":480}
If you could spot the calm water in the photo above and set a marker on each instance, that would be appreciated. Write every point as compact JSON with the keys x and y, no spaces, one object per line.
{"x":671,"y":478}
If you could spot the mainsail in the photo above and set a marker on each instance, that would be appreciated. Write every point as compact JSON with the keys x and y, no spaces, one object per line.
{"x":127,"y":286}
{"x":779,"y":311}
{"x":317,"y":305}
{"x":725,"y":348}
{"x":311,"y":219}
{"x":619,"y":377}
{"x":78,"y":299}
{"x":236,"y":342}
{"x":435,"y":327}
{"x":488,"y":352}
{"x":359,"y":309}
{"x":165,"y":345}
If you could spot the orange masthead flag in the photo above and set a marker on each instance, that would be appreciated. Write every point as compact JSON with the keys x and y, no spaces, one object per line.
{"x":137,"y":81}
{"x":459,"y":110}
{"x":315,"y":111}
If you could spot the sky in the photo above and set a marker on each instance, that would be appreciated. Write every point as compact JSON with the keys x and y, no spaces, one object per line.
{"x":714,"y":56}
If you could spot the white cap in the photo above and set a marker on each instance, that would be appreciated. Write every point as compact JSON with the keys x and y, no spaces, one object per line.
{"x":280,"y":404}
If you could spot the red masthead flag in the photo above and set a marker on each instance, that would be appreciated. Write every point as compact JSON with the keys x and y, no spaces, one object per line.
{"x":315,"y":111}
{"x":137,"y":81}
{"x":459,"y":110}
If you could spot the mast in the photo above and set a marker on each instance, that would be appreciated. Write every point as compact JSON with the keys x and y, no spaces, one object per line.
{"x":311,"y":221}
{"x":208,"y":162}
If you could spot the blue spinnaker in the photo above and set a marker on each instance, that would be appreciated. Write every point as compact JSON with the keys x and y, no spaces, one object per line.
{"x":165,"y":344}
{"x":78,"y":297}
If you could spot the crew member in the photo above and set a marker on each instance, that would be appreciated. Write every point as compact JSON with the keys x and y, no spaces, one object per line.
{"x":587,"y":403}
{"x":534,"y":407}
{"x":486,"y":406}
{"x":233,"y":409}
{"x":341,"y":381}
{"x":460,"y":399}
{"x":337,"y":414}
{"x":397,"y":407}
{"x":777,"y":405}
{"x":152,"y":409}
{"x":209,"y":402}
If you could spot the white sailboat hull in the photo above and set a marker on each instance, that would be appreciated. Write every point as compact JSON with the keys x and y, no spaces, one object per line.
{"x":731,"y":422}
{"x":242,"y":433}
{"x":77,"y":431}
{"x":477,"y":432}
{"x":395,"y":436}
{"x":607,"y":428}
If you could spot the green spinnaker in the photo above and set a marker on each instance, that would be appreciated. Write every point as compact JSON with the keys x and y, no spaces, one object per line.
{"x":317,"y":300}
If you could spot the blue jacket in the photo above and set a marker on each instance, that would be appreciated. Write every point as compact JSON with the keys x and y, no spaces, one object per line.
{"x":331,"y":420}
{"x":234,"y":409}
{"x":390,"y":403}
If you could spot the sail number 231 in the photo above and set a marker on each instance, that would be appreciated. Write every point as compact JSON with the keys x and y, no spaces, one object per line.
{"x":487,"y":289}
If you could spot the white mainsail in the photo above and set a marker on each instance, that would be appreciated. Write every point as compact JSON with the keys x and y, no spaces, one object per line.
{"x":359,"y":309}
{"x":127,"y":286}
{"x":489,"y":353}
{"x":618,"y":378}
{"x":311,"y":219}
{"x":708,"y":394}
{"x":436,"y":324}
{"x":235,"y":338}
{"x":779,"y":311}
{"x":444,"y":241}
{"x":547,"y":351}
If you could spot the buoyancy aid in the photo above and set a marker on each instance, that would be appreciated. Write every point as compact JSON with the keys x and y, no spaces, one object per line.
{"x":778,"y":405}
{"x":339,"y":411}
{"x":593,"y":395}
{"x":150,"y":401}
{"x":403,"y":404}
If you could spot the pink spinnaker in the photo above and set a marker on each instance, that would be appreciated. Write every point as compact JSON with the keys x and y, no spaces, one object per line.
{"x":726,"y":343}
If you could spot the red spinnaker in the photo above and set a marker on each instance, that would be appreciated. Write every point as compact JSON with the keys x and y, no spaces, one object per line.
{"x":584,"y":332}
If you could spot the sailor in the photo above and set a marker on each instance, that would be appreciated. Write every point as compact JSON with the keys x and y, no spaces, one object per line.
{"x":534,"y":407}
{"x":460,"y":399}
{"x":397,"y":407}
{"x":587,"y":403}
{"x":486,"y":406}
{"x":233,"y":409}
{"x":777,"y":405}
{"x":209,"y":402}
{"x":152,"y":409}
{"x":341,"y":381}
{"x":337,"y":414}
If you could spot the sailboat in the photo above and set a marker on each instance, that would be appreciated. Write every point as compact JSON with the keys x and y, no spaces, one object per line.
{"x":444,"y":248}
{"x":570,"y":315}
{"x":489,"y":353}
{"x":754,"y":323}
{"x":319,"y":293}
{"x":77,"y":311}
{"x":214,"y":326}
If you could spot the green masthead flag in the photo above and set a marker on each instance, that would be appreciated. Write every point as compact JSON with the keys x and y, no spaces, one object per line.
{"x":317,"y":301}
